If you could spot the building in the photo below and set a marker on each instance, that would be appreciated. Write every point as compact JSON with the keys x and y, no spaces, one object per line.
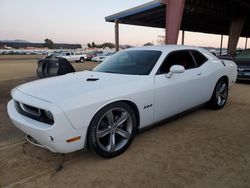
{"x":223,"y":17}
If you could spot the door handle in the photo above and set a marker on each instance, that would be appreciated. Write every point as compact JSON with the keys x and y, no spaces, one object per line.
{"x":199,"y":74}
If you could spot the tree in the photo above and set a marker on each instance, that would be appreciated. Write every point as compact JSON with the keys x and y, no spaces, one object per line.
{"x":89,"y":45}
{"x":161,"y":39}
{"x":148,"y":44}
{"x":107,"y":45}
{"x":103,"y":45}
{"x":48,"y":43}
{"x":93,"y":45}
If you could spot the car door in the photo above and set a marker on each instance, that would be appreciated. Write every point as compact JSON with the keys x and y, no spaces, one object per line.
{"x":181,"y":91}
{"x":72,"y":56}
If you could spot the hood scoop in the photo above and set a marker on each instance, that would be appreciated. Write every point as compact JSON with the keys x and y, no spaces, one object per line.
{"x":92,"y":79}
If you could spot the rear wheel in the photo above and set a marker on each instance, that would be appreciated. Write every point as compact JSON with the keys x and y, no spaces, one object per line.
{"x":82,"y":60}
{"x":220,"y":94}
{"x":112,"y":130}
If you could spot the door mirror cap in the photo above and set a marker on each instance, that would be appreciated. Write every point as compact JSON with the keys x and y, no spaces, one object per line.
{"x":175,"y":69}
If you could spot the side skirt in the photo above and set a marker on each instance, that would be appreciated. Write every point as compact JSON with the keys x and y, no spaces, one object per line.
{"x":169,"y":119}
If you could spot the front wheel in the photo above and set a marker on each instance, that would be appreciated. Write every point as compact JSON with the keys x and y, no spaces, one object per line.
{"x":220,"y":95}
{"x":112,"y":130}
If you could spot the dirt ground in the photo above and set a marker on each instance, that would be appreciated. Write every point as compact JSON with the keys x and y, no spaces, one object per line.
{"x":204,"y":148}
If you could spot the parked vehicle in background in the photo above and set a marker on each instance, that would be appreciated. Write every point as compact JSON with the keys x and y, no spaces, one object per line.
{"x":237,"y":51}
{"x":11,"y":52}
{"x":242,"y":59}
{"x":4,"y":52}
{"x":92,"y":54}
{"x":72,"y":56}
{"x":219,"y":53}
{"x":103,"y":108}
{"x":102,"y":57}
{"x":89,"y":56}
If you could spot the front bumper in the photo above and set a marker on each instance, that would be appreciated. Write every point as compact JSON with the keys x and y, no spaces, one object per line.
{"x":53,"y":137}
{"x":243,"y":74}
{"x":243,"y":77}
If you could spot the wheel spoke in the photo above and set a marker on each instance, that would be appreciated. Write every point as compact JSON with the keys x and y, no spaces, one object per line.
{"x":223,"y":96}
{"x":111,"y":146}
{"x":123,"y":133}
{"x":122,"y":119}
{"x":223,"y":87}
{"x":110,"y":117}
{"x":102,"y":133}
{"x":219,"y":100}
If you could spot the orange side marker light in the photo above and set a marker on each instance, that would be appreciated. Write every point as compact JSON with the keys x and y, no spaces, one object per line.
{"x":73,"y":139}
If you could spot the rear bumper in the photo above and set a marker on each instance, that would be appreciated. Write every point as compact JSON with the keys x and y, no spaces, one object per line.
{"x":53,"y":137}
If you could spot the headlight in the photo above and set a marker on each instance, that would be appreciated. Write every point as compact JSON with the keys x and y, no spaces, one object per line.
{"x":41,"y":115}
{"x":48,"y":117}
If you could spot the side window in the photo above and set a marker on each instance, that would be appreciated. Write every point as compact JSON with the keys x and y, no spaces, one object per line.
{"x":72,"y":53}
{"x":200,"y":59}
{"x":67,"y":54}
{"x":183,"y":58}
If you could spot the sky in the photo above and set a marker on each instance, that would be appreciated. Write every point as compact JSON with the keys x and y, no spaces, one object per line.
{"x":82,"y":21}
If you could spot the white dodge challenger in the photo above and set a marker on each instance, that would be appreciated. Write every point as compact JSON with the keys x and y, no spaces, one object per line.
{"x":102,"y":109}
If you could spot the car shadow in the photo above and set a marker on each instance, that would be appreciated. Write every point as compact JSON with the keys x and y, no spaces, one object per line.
{"x":243,"y":81}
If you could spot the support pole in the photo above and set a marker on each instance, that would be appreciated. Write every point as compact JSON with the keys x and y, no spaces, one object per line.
{"x":182,"y":37}
{"x":221,"y":42}
{"x":116,"y":35}
{"x":234,"y":34}
{"x":246,"y":43}
{"x":174,"y":12}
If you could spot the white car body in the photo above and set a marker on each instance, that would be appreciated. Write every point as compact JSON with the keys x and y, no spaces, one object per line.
{"x":74,"y":101}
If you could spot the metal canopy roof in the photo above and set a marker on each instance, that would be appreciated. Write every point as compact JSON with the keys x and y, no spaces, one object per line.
{"x":207,"y":16}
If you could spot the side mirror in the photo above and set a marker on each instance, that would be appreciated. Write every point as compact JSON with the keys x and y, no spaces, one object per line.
{"x":175,"y":69}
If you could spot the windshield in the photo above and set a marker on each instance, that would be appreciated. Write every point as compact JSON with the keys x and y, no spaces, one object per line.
{"x":243,"y":55}
{"x":135,"y":62}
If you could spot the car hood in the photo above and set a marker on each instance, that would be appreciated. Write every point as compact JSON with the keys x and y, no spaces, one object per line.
{"x":242,"y":62}
{"x":79,"y":84}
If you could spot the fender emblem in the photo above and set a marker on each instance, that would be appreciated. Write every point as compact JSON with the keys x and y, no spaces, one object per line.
{"x":148,"y":106}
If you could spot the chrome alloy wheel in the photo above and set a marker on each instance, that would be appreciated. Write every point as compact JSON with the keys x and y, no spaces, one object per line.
{"x":114,"y":129}
{"x":221,"y":93}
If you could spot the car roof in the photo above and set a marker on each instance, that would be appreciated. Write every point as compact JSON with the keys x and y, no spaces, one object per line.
{"x":166,"y":48}
{"x":171,"y":47}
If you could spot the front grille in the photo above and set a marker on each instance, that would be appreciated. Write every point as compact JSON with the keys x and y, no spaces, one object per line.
{"x":33,"y":113}
{"x":243,"y":69}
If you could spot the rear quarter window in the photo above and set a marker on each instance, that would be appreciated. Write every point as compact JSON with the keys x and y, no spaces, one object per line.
{"x":200,"y":59}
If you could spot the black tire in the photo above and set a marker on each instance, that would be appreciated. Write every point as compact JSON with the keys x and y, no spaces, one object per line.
{"x":110,"y":142}
{"x":220,"y":94}
{"x":82,"y":60}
